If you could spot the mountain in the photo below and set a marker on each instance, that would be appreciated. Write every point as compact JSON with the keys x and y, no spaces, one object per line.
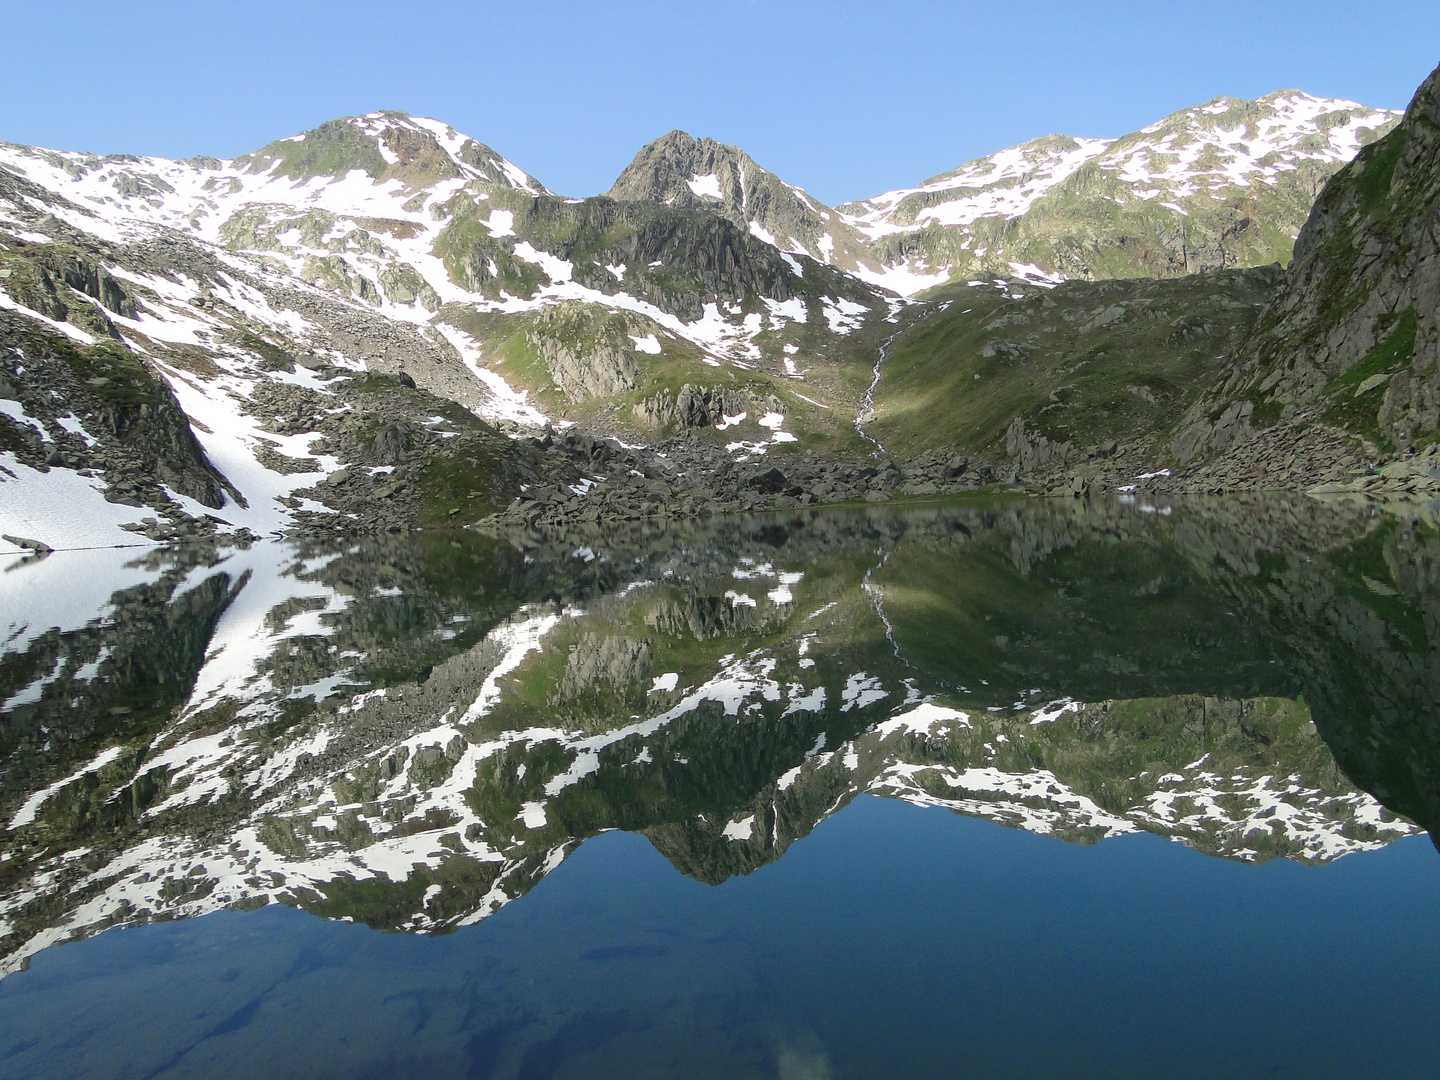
{"x":1223,"y":184}
{"x":1351,"y":340}
{"x":681,"y":171}
{"x":263,"y":297}
{"x":356,"y":327}
{"x":1307,"y":378}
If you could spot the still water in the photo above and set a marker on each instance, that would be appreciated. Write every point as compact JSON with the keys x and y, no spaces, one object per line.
{"x":1014,"y":790}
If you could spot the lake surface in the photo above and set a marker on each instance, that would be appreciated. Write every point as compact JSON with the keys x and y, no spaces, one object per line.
{"x":1042,"y":788}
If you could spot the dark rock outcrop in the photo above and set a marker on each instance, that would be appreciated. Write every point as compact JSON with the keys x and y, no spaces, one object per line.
{"x":703,"y":406}
{"x":1352,"y":340}
{"x":131,"y":428}
{"x":702,"y":174}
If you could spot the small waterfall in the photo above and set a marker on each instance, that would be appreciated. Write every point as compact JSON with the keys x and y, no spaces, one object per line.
{"x":867,"y":405}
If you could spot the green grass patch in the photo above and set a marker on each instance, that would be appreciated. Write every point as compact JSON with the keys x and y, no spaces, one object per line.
{"x":332,"y":149}
{"x":474,"y":477}
{"x":378,"y":902}
{"x":1360,"y":412}
{"x":113,"y":374}
{"x":1266,"y":414}
{"x":272,"y":357}
{"x":1376,"y":164}
{"x":1082,"y":363}
{"x":1367,"y":558}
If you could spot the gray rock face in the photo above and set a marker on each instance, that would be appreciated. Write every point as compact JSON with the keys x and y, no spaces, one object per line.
{"x":610,"y":668}
{"x":693,"y":174}
{"x":1352,"y":339}
{"x":598,"y":373}
{"x":588,"y":353}
{"x":703,"y":406}
{"x":53,"y":280}
{"x":1031,"y":450}
{"x":404,"y":285}
{"x":89,"y":278}
{"x":137,"y":437}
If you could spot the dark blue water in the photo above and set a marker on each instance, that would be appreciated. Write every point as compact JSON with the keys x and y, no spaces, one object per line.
{"x":893,"y":942}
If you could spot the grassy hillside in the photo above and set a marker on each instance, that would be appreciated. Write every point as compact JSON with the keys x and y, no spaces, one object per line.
{"x":1085,"y":363}
{"x":580,"y":363}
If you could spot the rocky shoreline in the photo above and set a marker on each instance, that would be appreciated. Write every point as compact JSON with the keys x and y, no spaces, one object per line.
{"x":572,"y":480}
{"x":589,"y":480}
{"x":687,"y":478}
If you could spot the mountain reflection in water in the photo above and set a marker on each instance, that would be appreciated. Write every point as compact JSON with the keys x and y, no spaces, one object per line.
{"x":410,"y":732}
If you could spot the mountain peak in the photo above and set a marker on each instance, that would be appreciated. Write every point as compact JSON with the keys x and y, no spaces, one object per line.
{"x":704,"y":174}
{"x":1185,"y":176}
{"x":678,"y":137}
{"x":681,"y":170}
{"x":387,"y":145}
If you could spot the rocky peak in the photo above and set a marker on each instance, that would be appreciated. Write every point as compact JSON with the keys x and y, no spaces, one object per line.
{"x":679,"y":170}
{"x":688,"y":173}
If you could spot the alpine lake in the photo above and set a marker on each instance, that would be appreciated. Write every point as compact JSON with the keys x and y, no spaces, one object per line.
{"x":1123,"y":787}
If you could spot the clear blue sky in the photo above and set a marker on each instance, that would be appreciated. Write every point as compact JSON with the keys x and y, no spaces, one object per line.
{"x":846,"y":99}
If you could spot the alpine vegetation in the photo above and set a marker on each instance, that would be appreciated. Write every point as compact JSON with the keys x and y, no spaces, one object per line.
{"x":380,"y":527}
{"x":384,"y":324}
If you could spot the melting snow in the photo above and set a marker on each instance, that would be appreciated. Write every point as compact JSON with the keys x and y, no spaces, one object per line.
{"x":707,"y":186}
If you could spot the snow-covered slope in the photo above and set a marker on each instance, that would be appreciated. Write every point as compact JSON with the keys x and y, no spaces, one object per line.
{"x":200,"y":195}
{"x":355,"y":206}
{"x":375,"y":243}
{"x":1231,"y":179}
{"x":1006,"y":183}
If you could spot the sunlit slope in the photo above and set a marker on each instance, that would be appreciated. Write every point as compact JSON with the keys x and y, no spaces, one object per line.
{"x":1220,"y":185}
{"x":1086,"y":363}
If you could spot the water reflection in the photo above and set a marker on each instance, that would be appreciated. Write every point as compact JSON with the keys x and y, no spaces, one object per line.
{"x":411,"y":731}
